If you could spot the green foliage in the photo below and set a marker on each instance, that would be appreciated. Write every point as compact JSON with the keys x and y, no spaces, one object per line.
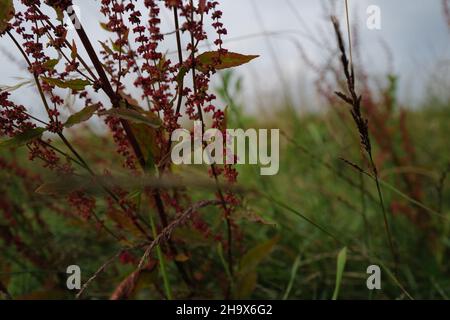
{"x":74,"y":84}
{"x":23,"y":138}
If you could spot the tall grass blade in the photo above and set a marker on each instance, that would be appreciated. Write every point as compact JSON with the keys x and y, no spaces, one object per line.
{"x":341,"y":261}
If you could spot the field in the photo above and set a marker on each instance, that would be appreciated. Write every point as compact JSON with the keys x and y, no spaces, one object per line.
{"x":362,"y":182}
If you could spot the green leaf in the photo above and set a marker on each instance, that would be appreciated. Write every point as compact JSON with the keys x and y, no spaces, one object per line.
{"x":124,"y":222}
{"x":246,"y":285}
{"x":63,"y":186}
{"x":220,"y":61}
{"x":181,"y":74}
{"x":51,"y":64}
{"x":116,"y":47}
{"x":106,"y":48}
{"x":341,"y":260}
{"x":23,"y":138}
{"x":6,"y":13}
{"x":146,"y":138}
{"x":247,"y":276}
{"x":133,"y":116}
{"x":75,"y":84}
{"x":255,"y":256}
{"x":82,"y":116}
{"x":105,"y":27}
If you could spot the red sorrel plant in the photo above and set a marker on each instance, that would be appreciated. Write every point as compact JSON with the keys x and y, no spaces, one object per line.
{"x":140,"y":126}
{"x":393,"y":143}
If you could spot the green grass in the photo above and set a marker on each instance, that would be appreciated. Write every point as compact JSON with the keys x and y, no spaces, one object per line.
{"x":313,"y":207}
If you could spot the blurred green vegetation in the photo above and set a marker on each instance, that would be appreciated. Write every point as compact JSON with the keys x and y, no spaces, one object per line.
{"x":287,"y":234}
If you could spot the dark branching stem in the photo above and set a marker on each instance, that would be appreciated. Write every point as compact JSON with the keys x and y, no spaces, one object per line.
{"x":67,"y":43}
{"x":354,"y":101}
{"x":180,"y":59}
{"x":79,"y":159}
{"x":5,"y":292}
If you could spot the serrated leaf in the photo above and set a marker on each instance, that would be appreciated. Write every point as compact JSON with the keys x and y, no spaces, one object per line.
{"x":341,"y":261}
{"x":75,"y":84}
{"x":23,"y":138}
{"x":82,"y":116}
{"x":133,"y":116}
{"x":220,"y":61}
{"x":7,"y":12}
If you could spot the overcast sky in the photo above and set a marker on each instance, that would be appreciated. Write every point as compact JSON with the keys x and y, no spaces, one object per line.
{"x":414,"y":30}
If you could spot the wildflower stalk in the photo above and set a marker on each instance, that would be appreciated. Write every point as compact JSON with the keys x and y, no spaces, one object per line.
{"x":213,"y":167}
{"x":115,"y":100}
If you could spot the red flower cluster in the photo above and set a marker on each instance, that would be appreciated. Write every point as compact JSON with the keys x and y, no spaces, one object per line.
{"x":136,"y":53}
